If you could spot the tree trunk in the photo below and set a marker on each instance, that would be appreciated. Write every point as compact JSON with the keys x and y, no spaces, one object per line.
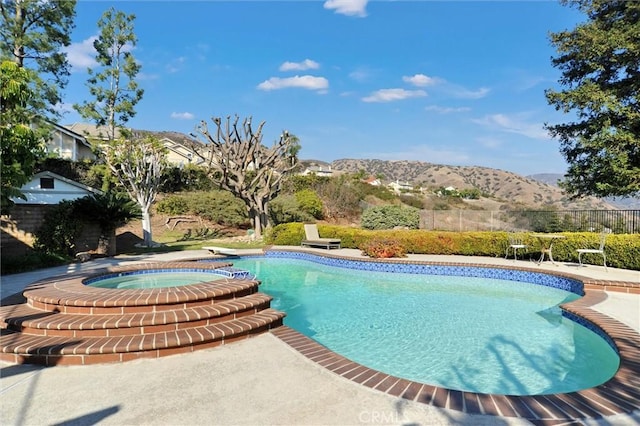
{"x":146,"y":228}
{"x":107,"y":243}
{"x":257,"y":226}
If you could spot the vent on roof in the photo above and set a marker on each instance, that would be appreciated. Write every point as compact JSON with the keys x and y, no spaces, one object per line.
{"x":46,"y":183}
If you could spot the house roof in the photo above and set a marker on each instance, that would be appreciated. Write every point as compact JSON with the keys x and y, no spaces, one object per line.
{"x":49,"y":174}
{"x":75,"y":135}
{"x":92,"y":130}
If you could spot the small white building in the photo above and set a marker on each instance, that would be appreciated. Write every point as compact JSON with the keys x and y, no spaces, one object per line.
{"x":50,"y":188}
{"x":400,"y":186}
{"x":373,"y":181}
{"x":318,"y":171}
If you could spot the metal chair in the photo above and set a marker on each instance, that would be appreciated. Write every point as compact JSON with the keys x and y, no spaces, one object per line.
{"x":515,"y":242}
{"x":599,"y":250}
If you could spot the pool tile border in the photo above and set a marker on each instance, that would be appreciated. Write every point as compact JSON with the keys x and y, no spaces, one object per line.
{"x":619,"y":395}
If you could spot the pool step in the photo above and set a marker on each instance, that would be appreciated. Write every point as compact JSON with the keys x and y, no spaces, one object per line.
{"x":57,"y":350}
{"x":26,"y":319}
{"x":61,"y":321}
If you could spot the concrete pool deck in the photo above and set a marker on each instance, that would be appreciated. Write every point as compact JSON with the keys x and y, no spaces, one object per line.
{"x":256,"y":381}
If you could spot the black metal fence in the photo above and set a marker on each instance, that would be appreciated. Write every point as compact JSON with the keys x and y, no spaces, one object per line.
{"x":619,"y":221}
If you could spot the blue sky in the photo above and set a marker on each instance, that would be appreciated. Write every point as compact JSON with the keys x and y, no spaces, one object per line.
{"x":457,"y":83}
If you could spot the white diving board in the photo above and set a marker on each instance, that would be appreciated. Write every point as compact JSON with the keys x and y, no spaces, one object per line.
{"x":221,"y":250}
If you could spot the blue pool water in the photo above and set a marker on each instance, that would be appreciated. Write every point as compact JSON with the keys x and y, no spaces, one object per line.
{"x":153,"y":279}
{"x":465,"y":333}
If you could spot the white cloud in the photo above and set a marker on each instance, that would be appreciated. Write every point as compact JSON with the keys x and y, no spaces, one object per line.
{"x":81,"y":55}
{"x":182,"y":115}
{"x":63,"y":107}
{"x":420,"y":80}
{"x":348,"y":7}
{"x":361,"y":74}
{"x":176,"y":64}
{"x":461,"y":92}
{"x":307,"y":64}
{"x":145,"y":76}
{"x":389,"y":95}
{"x":489,"y":142}
{"x":304,"y":81}
{"x":446,"y":110}
{"x":514,"y":124}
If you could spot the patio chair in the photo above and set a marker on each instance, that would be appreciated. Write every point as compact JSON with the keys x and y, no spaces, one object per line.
{"x":313,"y":238}
{"x":599,"y":250}
{"x":515,"y":243}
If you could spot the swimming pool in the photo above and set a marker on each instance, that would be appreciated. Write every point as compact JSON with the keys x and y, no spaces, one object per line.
{"x":460,"y":332}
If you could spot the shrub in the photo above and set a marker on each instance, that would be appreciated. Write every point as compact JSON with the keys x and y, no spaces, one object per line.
{"x":623,"y":251}
{"x":220,"y":207}
{"x":309,"y":202}
{"x":59,"y":230}
{"x":187,"y":178}
{"x":285,"y":208}
{"x":173,"y":205}
{"x":383,"y":248}
{"x":389,"y":217}
{"x":30,"y":261}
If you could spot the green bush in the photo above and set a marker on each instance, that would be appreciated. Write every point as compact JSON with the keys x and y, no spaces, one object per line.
{"x":220,"y":207}
{"x":623,"y":250}
{"x":309,"y":202}
{"x":59,"y":230}
{"x":389,"y":217}
{"x":187,"y":178}
{"x":285,"y":208}
{"x":30,"y":262}
{"x":173,"y":205}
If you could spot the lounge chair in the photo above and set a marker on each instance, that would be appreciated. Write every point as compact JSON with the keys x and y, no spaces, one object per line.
{"x":313,"y":238}
{"x":599,"y":250}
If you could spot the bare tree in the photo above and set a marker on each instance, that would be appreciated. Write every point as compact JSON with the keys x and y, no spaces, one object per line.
{"x":238,"y":162}
{"x":138,"y":165}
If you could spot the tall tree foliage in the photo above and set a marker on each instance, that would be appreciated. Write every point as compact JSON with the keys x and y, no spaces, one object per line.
{"x":600,"y":64}
{"x":33,"y":34}
{"x":238,"y":162}
{"x":113,"y":87}
{"x":138,"y":165}
{"x":21,"y":146}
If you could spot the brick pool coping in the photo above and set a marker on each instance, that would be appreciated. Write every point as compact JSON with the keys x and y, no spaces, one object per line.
{"x":619,"y":395}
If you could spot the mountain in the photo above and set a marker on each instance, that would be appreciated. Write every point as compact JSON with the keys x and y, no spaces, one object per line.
{"x":507,"y":187}
{"x":622,"y":203}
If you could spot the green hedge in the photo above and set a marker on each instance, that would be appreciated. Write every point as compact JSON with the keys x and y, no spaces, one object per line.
{"x":623,"y":250}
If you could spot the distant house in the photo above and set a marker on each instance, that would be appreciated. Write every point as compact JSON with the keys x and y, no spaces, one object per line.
{"x":373,"y":181}
{"x":181,"y":153}
{"x":400,"y":186}
{"x":318,"y":171}
{"x":181,"y":150}
{"x":50,"y":188}
{"x":93,"y":132}
{"x":68,"y":144}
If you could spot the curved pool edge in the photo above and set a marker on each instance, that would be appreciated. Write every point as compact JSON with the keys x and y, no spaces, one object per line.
{"x":619,"y":395}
